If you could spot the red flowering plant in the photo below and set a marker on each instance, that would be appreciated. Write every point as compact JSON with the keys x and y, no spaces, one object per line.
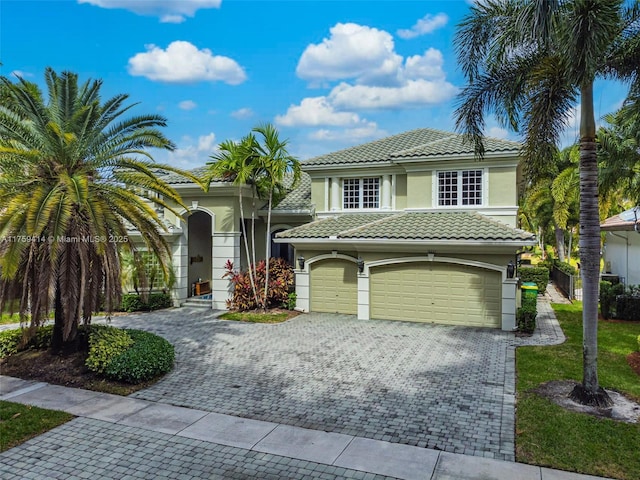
{"x":280,"y":282}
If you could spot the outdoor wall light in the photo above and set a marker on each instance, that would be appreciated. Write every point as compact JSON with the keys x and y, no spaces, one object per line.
{"x":511,"y":269}
{"x":360,"y":264}
{"x":301,"y":262}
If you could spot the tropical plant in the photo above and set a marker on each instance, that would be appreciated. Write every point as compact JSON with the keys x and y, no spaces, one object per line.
{"x":235,"y":162}
{"x":530,"y":62}
{"x":73,"y":175}
{"x":275,"y":162}
{"x":619,"y":153}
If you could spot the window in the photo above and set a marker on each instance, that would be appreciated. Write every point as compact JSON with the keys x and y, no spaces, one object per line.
{"x":460,"y":188}
{"x":360,"y":193}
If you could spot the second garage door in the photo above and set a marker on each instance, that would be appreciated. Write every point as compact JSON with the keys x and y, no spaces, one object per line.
{"x":334,"y":286}
{"x":439,"y":293}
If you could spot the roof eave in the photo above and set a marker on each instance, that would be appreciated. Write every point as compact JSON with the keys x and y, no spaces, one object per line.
{"x":387,"y":241}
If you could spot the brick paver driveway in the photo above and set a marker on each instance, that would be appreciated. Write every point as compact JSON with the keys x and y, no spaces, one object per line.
{"x":442,"y":387}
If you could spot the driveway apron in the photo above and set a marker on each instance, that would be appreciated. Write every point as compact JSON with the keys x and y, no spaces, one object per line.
{"x":442,"y":387}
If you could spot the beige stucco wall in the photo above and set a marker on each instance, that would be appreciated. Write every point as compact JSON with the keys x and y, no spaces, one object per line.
{"x":419,"y":189}
{"x":401,"y":192}
{"x":502,"y":186}
{"x":318,"y":194}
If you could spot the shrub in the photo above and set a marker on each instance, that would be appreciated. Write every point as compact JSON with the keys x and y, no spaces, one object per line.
{"x":526,"y":315}
{"x":608,"y":294}
{"x":18,"y":339}
{"x":148,"y":357}
{"x":639,"y":343}
{"x":9,"y":342}
{"x":539,"y":275}
{"x":290,"y":304}
{"x":280,"y":282}
{"x":132,"y":302}
{"x":105,"y":344}
{"x":628,"y":307}
{"x":565,"y":267}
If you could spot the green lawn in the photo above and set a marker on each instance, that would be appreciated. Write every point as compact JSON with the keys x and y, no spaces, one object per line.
{"x":255,"y":317}
{"x":548,"y":435}
{"x":19,"y":423}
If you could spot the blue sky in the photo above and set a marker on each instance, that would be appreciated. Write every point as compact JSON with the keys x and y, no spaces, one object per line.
{"x":328,"y":74}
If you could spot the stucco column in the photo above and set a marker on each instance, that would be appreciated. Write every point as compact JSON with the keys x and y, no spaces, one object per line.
{"x":225,"y":246}
{"x":363,"y":295}
{"x":302,"y":290}
{"x":335,"y":194}
{"x":509,"y":304}
{"x":385,"y":193}
{"x":179,"y":262}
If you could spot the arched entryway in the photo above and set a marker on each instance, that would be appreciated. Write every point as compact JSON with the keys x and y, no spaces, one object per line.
{"x":200,"y":252}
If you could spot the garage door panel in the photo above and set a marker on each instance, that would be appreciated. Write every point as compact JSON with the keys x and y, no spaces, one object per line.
{"x":441,"y":293}
{"x":334,"y":286}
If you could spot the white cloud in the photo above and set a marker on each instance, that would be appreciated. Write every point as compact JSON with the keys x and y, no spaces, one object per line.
{"x":182,"y":62}
{"x":369,"y":131}
{"x":20,"y":73}
{"x":187,"y":105}
{"x":193,"y":153}
{"x":363,"y":53}
{"x":427,"y":66}
{"x":169,"y":11}
{"x":315,"y":111}
{"x":427,"y":24}
{"x":497,"y":132}
{"x":413,"y":93}
{"x":242,"y":113}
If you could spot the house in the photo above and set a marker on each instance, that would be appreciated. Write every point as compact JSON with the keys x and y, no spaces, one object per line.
{"x":409,"y":227}
{"x":621,"y":251}
{"x":412,"y":227}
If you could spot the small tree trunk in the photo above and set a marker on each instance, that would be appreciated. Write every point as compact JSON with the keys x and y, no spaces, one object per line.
{"x":246,"y":246}
{"x":559,"y":242}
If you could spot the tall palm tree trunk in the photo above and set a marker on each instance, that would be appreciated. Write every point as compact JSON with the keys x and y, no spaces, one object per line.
{"x":559,"y":242}
{"x":246,"y":246}
{"x":589,"y":392}
{"x":268,"y":250}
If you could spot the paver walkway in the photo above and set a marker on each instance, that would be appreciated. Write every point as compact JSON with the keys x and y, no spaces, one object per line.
{"x":359,"y":389}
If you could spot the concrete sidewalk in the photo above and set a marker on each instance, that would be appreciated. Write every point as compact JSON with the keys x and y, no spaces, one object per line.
{"x":120,"y":437}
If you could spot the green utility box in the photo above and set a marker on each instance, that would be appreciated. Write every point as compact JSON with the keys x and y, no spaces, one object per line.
{"x":529,"y":289}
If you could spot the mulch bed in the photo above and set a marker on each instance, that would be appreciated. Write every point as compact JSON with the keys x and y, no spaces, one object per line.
{"x":66,"y":370}
{"x":633,"y":359}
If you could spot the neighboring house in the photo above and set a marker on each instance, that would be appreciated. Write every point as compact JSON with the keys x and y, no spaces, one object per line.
{"x":621,"y":250}
{"x":412,"y":227}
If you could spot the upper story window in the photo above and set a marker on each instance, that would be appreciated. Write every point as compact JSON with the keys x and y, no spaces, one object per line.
{"x":460,"y":188}
{"x":361,"y":193}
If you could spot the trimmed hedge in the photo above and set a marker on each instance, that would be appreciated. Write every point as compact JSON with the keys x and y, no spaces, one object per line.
{"x":565,"y":267}
{"x":618,"y":302}
{"x":148,"y":357}
{"x":608,"y":294}
{"x":132,"y":302}
{"x":105,"y":344}
{"x":526,"y":314}
{"x":628,"y":307}
{"x":538,"y":275}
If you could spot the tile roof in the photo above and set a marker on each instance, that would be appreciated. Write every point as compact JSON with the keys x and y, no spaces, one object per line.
{"x":174,"y":178}
{"x":422,"y":142}
{"x":431,"y":226}
{"x":299,"y":199}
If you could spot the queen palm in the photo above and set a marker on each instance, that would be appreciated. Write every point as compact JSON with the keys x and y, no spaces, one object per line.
{"x":530,"y":62}
{"x":74,"y":175}
{"x":236,"y":162}
{"x":274,"y":162}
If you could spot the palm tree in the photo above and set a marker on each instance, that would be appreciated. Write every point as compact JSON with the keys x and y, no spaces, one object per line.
{"x":73,"y":176}
{"x":235,"y":161}
{"x":619,"y":154}
{"x":275,"y":162}
{"x":529,"y":62}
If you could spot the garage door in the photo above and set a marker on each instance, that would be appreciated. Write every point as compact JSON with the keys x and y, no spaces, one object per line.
{"x":436,"y":292}
{"x":334,"y":286}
